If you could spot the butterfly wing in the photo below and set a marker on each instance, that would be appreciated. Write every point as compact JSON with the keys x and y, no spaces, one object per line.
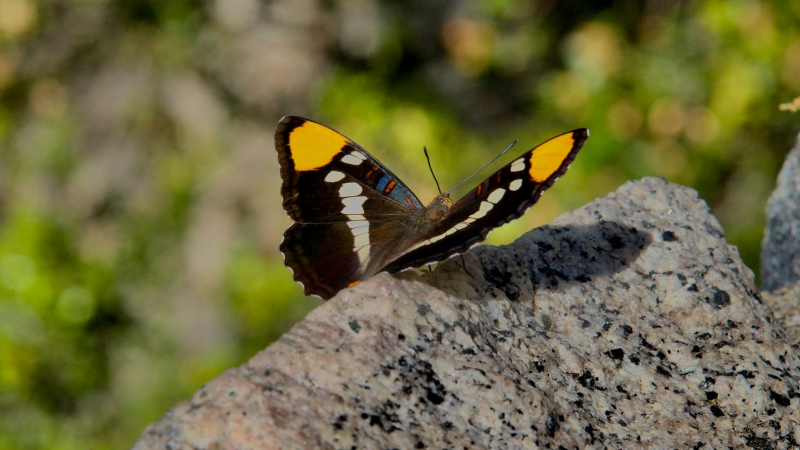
{"x":349,"y":209}
{"x":501,"y":198}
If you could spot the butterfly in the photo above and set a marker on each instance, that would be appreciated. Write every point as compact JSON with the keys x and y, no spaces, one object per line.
{"x":354,"y":218}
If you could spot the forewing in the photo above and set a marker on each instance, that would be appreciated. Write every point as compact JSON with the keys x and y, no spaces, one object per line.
{"x":318,"y":163}
{"x":501,"y":198}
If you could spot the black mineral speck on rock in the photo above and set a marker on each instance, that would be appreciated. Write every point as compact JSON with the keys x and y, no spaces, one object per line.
{"x":717,"y":411}
{"x":423,"y":309}
{"x":747,"y":374}
{"x":354,"y":326}
{"x":616,"y":353}
{"x":779,"y":399}
{"x":720,"y":299}
{"x":668,"y":236}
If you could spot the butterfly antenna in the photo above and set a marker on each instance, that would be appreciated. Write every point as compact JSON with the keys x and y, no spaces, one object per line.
{"x":485,"y":166}
{"x":425,"y":149}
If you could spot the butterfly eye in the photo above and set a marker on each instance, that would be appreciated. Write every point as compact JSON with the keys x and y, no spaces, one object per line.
{"x":447,"y":201}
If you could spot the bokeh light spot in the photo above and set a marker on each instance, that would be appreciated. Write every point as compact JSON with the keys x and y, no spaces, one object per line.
{"x":666,"y":118}
{"x":593,"y":51}
{"x":469,"y":43}
{"x":48,"y":98}
{"x":569,"y":92}
{"x":702,"y":126}
{"x":16,"y":17}
{"x":624,"y":119}
{"x":76,"y":305}
{"x":17,"y":272}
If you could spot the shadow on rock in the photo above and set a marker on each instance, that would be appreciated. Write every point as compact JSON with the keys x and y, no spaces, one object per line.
{"x":544,"y":258}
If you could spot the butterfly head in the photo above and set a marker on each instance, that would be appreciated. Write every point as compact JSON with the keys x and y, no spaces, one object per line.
{"x":439,"y":206}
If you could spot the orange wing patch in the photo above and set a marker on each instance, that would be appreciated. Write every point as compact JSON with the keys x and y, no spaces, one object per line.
{"x":312,"y":146}
{"x":389,"y":187}
{"x":548,"y":157}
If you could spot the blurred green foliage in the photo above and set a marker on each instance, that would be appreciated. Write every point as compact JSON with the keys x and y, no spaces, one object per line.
{"x":139,"y":205}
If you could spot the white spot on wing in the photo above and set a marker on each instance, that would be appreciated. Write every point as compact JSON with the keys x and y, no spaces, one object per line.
{"x":359,"y":155}
{"x":352,"y":205}
{"x":496,"y":195}
{"x":349,"y":190}
{"x":352,"y":160}
{"x":356,"y":217}
{"x":518,"y":165}
{"x":460,"y":226}
{"x":333,"y":176}
{"x":485,"y":208}
{"x":361,"y":240}
{"x":363,"y":253}
{"x":516,"y":184}
{"x":359,"y":231}
{"x":358,"y":227}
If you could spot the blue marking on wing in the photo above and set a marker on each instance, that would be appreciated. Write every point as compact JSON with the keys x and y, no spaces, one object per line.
{"x":382,"y":183}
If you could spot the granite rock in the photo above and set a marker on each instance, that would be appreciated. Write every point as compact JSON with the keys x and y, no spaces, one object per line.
{"x":629,"y":323}
{"x":780,"y":249}
{"x":785,"y":305}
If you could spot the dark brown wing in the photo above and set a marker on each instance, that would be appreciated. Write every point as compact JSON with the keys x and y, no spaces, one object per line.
{"x":349,"y":209}
{"x":501,"y":198}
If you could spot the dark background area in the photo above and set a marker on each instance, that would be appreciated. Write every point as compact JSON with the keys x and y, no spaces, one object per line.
{"x":140,"y":212}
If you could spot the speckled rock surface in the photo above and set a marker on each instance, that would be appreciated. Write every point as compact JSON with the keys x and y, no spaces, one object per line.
{"x":780,"y":250}
{"x":629,"y":323}
{"x":785,"y":305}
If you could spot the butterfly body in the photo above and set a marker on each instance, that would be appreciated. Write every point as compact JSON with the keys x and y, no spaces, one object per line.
{"x":355,"y":218}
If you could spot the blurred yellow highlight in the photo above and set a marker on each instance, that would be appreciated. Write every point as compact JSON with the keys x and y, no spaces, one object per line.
{"x":792,"y":106}
{"x":17,"y":17}
{"x":735,"y":90}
